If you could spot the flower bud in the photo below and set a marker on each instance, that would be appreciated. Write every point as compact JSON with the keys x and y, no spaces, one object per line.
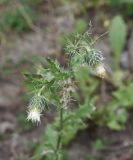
{"x":37,"y":104}
{"x":100,"y":70}
{"x":93,"y":58}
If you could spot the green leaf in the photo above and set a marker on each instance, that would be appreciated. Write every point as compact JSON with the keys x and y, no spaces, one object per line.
{"x":114,"y":125}
{"x":99,"y":144}
{"x":117,"y":36}
{"x":74,"y":121}
{"x":127,"y":1}
{"x":48,"y":145}
{"x":80,"y":26}
{"x":117,"y":117}
{"x":31,"y":76}
{"x":124,"y":96}
{"x":34,"y":81}
{"x":54,"y":66}
{"x":120,"y":2}
{"x":85,"y":110}
{"x":57,"y":71}
{"x":87,"y":84}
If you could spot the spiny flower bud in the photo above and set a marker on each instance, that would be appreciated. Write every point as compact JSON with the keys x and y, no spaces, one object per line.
{"x":94,"y":58}
{"x":38,"y":101}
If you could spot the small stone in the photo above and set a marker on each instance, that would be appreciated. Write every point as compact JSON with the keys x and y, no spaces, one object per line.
{"x":8,"y":94}
{"x":65,"y":21}
{"x":103,"y":46}
{"x":125,"y":60}
{"x":130,"y":49}
{"x":6,"y":127}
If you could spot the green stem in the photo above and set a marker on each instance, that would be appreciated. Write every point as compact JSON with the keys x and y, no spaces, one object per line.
{"x":117,"y":61}
{"x":59,"y":139}
{"x":98,"y":38}
{"x":25,"y":15}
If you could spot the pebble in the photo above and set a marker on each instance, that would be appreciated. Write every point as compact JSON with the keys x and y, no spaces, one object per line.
{"x":130,"y":49}
{"x":9,"y":94}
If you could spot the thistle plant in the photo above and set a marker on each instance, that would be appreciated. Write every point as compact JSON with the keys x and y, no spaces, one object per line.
{"x":54,"y":84}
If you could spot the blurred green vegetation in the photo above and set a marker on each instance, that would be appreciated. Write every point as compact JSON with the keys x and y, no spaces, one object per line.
{"x":18,"y":17}
{"x":117,"y":37}
{"x":21,"y":15}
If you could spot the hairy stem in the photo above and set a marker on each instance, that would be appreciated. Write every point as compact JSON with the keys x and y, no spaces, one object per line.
{"x":59,"y":139}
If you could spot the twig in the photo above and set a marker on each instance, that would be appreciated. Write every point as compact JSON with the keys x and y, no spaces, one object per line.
{"x":121,"y":147}
{"x":59,"y":139}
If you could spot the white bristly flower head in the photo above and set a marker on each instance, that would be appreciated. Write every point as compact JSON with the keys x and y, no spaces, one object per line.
{"x":35,"y":108}
{"x":34,"y":115}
